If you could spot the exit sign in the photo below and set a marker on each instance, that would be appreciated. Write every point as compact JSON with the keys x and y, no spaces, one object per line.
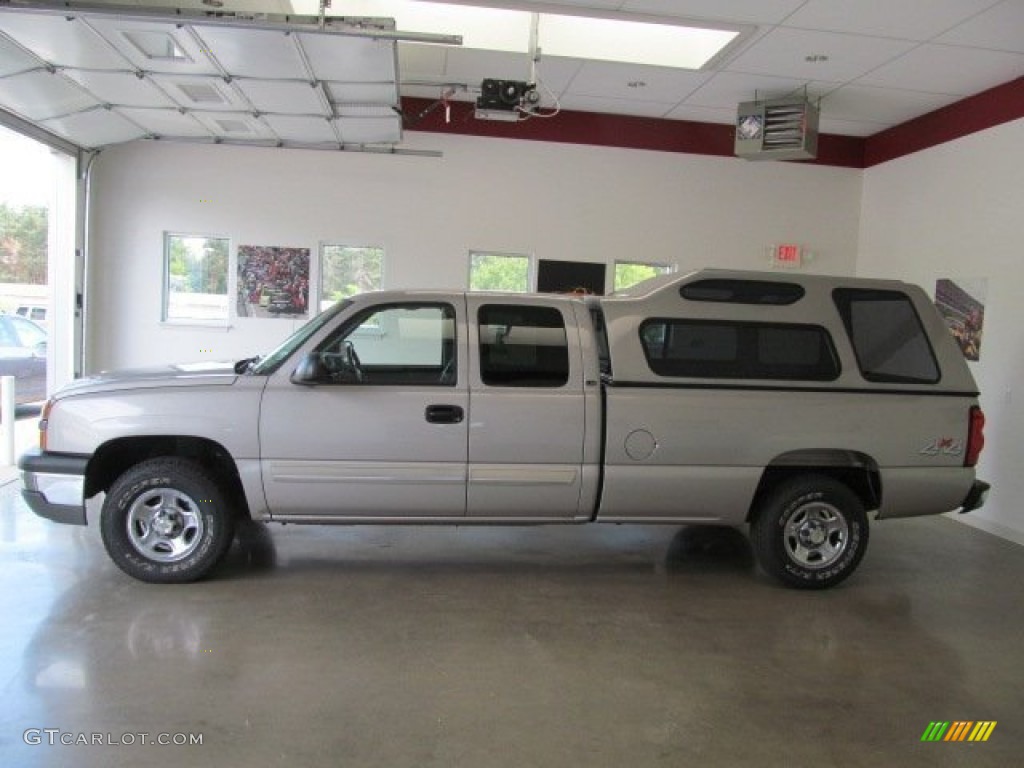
{"x":787,"y":255}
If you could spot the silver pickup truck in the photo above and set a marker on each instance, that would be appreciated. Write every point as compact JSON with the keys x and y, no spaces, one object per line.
{"x":796,"y":405}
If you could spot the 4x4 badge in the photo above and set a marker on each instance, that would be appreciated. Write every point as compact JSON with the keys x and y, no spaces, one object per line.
{"x":948,"y":446}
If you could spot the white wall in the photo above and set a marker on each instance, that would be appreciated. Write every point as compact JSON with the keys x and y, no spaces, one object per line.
{"x":550,"y":200}
{"x":956,"y":210}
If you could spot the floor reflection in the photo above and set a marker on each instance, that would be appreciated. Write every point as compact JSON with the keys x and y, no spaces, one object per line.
{"x":707,"y":548}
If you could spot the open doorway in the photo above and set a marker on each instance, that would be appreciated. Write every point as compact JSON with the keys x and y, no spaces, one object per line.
{"x":37,"y":268}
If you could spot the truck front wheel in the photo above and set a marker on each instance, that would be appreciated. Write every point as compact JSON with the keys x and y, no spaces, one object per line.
{"x":810,"y":532}
{"x":166,"y":520}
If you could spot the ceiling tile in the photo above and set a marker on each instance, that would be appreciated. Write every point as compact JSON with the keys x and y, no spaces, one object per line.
{"x":881,"y":105}
{"x":651,"y":84}
{"x":282,"y":96}
{"x":609,"y":106}
{"x":1001,"y":28}
{"x":850,"y":127}
{"x":698,"y":114}
{"x":782,"y":52}
{"x":745,"y":11}
{"x":62,"y":41}
{"x":120,"y":88}
{"x":95,"y":128}
{"x":13,"y":59}
{"x":471,"y":66}
{"x":948,"y":69}
{"x":727,"y":89}
{"x":355,"y":59}
{"x":609,"y":5}
{"x":166,"y":122}
{"x":905,"y":19}
{"x":40,"y":95}
{"x":306,"y":130}
{"x":255,"y":52}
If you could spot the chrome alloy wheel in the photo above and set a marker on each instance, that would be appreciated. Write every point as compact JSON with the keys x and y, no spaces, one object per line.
{"x":816,"y":535}
{"x":165,"y":525}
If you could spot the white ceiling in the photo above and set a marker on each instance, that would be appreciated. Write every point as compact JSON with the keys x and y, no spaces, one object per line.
{"x":888,"y":61}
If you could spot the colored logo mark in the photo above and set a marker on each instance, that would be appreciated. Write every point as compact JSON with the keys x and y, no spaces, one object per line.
{"x":959,"y":730}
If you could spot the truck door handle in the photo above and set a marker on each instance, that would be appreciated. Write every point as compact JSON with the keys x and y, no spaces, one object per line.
{"x":445,"y":414}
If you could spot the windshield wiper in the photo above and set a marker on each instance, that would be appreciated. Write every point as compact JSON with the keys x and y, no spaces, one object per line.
{"x":245,"y":365}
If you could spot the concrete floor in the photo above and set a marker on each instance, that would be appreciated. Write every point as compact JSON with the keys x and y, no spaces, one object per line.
{"x":592,"y":646}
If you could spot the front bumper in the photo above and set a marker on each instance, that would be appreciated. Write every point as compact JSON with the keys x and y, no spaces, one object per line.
{"x":976,"y":497}
{"x":54,"y":485}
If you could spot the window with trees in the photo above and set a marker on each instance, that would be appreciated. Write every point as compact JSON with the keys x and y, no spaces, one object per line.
{"x":499,"y":272}
{"x":196,"y":268}
{"x":346,"y":270}
{"x":23,"y":244}
{"x":629,"y":273}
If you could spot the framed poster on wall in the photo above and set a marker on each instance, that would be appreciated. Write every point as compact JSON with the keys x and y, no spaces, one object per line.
{"x":961,"y":302}
{"x":570,"y":277}
{"x":273,"y":281}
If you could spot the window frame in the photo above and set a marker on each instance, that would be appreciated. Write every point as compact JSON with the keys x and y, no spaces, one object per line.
{"x":531,"y":271}
{"x":843,"y":299}
{"x":761,"y":293}
{"x":482,"y":357}
{"x":165,"y":303}
{"x":750,"y":327}
{"x":351,"y":327}
{"x":322,"y":255}
{"x":670,"y":269}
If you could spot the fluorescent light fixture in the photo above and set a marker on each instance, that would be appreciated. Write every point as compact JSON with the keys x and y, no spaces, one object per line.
{"x":156,"y":46}
{"x":624,"y":40}
{"x":630,"y":42}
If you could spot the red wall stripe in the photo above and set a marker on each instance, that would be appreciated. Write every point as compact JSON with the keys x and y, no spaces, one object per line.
{"x":976,"y":113}
{"x":604,"y":130}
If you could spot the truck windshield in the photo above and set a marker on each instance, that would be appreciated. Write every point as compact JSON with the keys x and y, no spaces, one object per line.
{"x":273,"y":361}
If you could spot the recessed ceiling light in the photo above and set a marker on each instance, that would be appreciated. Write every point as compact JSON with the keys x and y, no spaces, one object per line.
{"x":816,"y":58}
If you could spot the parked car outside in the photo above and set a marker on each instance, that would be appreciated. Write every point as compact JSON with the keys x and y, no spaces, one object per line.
{"x":23,"y":356}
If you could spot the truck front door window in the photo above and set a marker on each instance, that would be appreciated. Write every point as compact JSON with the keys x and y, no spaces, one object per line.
{"x":407,"y":344}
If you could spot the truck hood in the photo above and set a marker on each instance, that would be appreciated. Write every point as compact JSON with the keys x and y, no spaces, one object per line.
{"x":179,"y":375}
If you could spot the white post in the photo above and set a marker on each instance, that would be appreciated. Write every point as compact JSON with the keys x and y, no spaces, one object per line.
{"x":8,"y":420}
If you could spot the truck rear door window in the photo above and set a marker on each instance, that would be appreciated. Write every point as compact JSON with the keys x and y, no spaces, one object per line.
{"x":729,"y":350}
{"x":887,"y":336}
{"x":523,"y":346}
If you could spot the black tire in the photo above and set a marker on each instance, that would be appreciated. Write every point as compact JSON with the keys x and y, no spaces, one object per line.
{"x":810,"y":532}
{"x":166,"y":521}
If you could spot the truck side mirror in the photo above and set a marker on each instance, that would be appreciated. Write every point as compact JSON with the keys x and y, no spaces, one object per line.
{"x":310,"y":370}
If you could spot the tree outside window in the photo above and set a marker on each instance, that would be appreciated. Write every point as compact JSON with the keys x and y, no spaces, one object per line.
{"x":499,"y":272}
{"x":23,"y":244}
{"x":629,"y":273}
{"x":346,"y":270}
{"x":197,"y":277}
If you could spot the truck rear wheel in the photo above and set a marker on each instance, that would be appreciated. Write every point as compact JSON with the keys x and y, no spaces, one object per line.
{"x":166,"y":521}
{"x":810,"y":532}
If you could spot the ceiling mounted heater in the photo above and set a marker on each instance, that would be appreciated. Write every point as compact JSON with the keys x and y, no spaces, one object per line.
{"x":777,"y":129}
